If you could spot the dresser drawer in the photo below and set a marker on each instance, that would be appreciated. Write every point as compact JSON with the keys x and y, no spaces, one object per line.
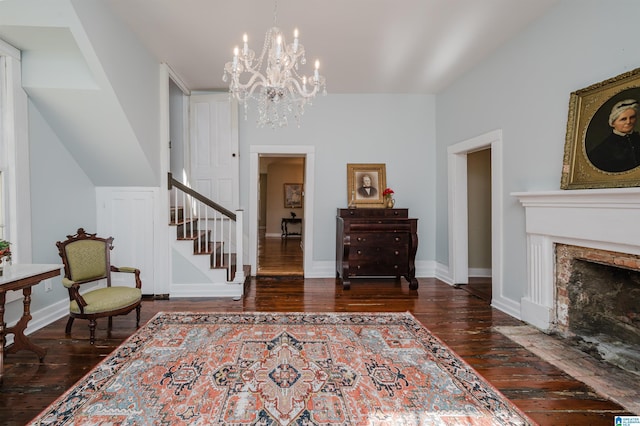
{"x":380,"y":254}
{"x":377,"y":269}
{"x":368,"y":213}
{"x":379,"y":239}
{"x":381,"y":225}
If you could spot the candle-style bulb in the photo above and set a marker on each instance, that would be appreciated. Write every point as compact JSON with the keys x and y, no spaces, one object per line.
{"x":295,"y":40}
{"x":278,"y":45}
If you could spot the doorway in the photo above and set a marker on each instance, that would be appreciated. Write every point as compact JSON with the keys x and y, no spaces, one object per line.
{"x":305,"y":241}
{"x":479,"y":219}
{"x":459,"y":211}
{"x":280,"y":216}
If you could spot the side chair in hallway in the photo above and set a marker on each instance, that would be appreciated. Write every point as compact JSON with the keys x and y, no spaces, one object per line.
{"x":86,"y":259}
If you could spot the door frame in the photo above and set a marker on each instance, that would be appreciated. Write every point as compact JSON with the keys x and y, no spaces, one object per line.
{"x":458,"y":209}
{"x":257,"y":151}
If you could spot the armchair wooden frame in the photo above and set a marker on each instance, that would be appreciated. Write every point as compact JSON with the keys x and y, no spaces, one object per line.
{"x":86,"y":259}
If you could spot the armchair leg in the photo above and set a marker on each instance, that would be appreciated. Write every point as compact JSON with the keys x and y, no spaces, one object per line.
{"x":67,"y":329}
{"x":92,"y":331}
{"x":110,"y":325}
{"x":138,"y":315}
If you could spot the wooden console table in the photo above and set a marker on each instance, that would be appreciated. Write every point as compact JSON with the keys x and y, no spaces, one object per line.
{"x":21,"y":277}
{"x":284,"y":226}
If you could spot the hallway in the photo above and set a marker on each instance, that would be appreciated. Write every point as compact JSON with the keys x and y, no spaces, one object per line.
{"x":279,"y":257}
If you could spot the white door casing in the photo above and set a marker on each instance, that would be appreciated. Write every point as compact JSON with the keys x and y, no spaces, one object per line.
{"x":306,"y":151}
{"x":458,"y":220}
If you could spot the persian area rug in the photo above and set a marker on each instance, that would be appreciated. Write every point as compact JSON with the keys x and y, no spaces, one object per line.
{"x":282,"y":369}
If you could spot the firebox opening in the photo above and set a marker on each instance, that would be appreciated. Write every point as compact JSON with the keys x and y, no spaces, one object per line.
{"x":604,"y":312}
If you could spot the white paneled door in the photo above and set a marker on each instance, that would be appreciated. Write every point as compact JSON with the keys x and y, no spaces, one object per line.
{"x":214,"y":149}
{"x":128,"y":214}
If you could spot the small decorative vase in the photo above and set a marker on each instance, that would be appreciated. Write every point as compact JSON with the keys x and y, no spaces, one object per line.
{"x":389,"y":202}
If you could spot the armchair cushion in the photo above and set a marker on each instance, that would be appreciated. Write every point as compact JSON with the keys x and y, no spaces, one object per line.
{"x":107,"y":299}
{"x":87,"y":260}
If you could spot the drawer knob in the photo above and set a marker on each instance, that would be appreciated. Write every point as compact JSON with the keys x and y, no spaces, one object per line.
{"x":397,"y":239}
{"x":396,"y":252}
{"x":359,"y":252}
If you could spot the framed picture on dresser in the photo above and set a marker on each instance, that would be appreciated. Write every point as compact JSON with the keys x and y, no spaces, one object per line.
{"x":365,"y":183}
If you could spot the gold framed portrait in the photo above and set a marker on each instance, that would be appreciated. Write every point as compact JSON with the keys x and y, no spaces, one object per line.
{"x":602,"y":147}
{"x":365,"y":184}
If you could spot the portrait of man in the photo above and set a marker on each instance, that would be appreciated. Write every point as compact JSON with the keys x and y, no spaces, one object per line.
{"x":367,"y":188}
{"x":618,"y":150}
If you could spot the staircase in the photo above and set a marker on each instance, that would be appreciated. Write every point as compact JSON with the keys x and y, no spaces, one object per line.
{"x":207,"y":246}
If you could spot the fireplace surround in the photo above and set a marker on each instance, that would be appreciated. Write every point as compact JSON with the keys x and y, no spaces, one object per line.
{"x":563,"y":228}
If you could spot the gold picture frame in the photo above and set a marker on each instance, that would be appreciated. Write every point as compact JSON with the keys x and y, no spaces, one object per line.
{"x":588,"y":128}
{"x":363,"y":176}
{"x":293,"y":195}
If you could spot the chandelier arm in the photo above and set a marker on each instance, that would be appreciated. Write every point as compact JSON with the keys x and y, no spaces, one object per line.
{"x":305,"y":94}
{"x":279,"y":89}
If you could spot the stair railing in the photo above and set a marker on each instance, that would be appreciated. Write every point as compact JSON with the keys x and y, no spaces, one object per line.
{"x":217,"y":226}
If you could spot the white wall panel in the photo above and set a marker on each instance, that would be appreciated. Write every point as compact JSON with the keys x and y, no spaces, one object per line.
{"x":128,"y":215}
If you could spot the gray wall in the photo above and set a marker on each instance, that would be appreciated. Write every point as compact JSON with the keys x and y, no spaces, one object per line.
{"x":398,"y":130}
{"x":524,"y":90}
{"x":62,"y":200}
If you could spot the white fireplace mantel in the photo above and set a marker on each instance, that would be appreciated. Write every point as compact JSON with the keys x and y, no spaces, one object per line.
{"x":607,"y":219}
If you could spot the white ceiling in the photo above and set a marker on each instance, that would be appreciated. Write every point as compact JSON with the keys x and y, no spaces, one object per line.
{"x":364,"y":46}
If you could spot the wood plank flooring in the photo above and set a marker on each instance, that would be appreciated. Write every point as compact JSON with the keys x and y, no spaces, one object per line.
{"x":462,"y":320}
{"x":280,"y":257}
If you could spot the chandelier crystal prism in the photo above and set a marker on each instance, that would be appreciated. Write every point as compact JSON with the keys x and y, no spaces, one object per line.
{"x":279,"y":90}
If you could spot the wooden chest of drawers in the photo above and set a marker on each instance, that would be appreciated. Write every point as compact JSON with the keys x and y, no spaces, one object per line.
{"x":376,"y":243}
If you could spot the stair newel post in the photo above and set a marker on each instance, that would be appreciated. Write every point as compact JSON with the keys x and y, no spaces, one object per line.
{"x":199,"y":217}
{"x":221,"y":220}
{"x":229,"y":255}
{"x":239,"y":278}
{"x":176,"y":210}
{"x":185,"y":214}
{"x":216,"y":218}
{"x":206,"y":228}
{"x":191,"y":214}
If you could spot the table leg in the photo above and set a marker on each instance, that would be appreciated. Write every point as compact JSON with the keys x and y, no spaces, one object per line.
{"x":20,"y":341}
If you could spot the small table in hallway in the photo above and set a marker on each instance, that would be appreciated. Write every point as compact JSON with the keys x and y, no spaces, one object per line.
{"x":21,"y":277}
{"x":284,"y":226}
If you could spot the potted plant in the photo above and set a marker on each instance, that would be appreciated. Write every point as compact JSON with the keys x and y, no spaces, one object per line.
{"x":5,"y":253}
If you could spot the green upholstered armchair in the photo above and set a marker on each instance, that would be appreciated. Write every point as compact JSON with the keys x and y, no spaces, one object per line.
{"x":86,"y":260}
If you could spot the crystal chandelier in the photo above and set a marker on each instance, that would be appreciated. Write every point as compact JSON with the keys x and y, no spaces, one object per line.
{"x":279,"y":90}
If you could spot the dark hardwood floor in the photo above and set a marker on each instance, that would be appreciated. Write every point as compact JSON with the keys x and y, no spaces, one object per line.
{"x":279,"y":256}
{"x":461,"y":319}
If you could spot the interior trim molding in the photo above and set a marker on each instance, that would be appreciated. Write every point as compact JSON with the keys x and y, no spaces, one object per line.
{"x":306,"y":151}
